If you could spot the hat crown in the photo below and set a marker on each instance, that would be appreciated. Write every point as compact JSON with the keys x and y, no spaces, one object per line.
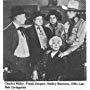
{"x":73,"y":4}
{"x":36,"y":14}
{"x":16,"y":10}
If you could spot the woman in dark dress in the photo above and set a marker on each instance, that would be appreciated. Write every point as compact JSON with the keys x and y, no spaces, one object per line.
{"x":51,"y":67}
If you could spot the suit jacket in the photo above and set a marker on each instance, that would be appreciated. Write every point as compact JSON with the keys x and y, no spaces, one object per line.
{"x":10,"y":42}
{"x":34,"y":44}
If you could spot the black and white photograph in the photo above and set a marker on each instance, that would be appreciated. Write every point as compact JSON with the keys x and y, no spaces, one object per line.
{"x":44,"y":40}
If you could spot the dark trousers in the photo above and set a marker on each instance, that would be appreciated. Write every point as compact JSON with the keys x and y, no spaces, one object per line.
{"x":75,"y":69}
{"x":22,"y":72}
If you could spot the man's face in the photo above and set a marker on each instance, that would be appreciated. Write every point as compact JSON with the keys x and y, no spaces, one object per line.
{"x":38,"y":20}
{"x":53,"y":19}
{"x":21,"y":18}
{"x":71,"y":14}
{"x":55,"y":45}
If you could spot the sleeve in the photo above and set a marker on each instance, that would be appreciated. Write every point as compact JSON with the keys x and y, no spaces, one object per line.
{"x":41,"y":65}
{"x":73,"y":36}
{"x":49,"y":33}
{"x":79,"y":41}
{"x":81,"y":35}
{"x":8,"y":49}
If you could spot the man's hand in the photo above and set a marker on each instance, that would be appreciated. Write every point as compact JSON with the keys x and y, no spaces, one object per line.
{"x":63,"y":54}
{"x":6,"y":70}
{"x":35,"y":75}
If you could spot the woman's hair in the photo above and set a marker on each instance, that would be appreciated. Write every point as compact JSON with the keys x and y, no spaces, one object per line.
{"x":55,"y":39}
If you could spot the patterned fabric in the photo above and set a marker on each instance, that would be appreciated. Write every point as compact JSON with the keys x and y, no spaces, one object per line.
{"x":59,"y":30}
{"x":52,"y":67}
{"x":42,"y":37}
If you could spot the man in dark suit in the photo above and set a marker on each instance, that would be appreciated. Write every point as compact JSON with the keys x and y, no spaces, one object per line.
{"x":16,"y":54}
{"x":38,"y":37}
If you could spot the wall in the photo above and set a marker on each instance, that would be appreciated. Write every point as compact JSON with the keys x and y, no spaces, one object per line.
{"x":27,"y":2}
{"x":42,"y":2}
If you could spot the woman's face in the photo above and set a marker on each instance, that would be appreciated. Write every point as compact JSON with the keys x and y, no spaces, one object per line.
{"x":55,"y":45}
{"x":71,"y":14}
{"x":53,"y":19}
{"x":38,"y":20}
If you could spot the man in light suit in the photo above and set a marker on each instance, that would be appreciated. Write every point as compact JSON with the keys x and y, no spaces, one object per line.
{"x":76,"y":52}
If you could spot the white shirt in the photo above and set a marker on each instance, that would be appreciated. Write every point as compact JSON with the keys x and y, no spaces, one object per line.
{"x":22,"y":50}
{"x":53,"y":53}
{"x":16,"y":25}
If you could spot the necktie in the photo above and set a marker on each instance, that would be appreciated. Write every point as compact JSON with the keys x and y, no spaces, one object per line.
{"x":40,"y":31}
{"x":42,"y":37}
{"x":22,"y":30}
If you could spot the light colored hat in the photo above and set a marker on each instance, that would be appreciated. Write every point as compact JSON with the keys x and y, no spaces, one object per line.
{"x":72,"y":5}
{"x":55,"y":39}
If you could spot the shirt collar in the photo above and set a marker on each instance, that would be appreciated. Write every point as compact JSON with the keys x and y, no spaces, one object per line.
{"x":16,"y":25}
{"x":36,"y":26}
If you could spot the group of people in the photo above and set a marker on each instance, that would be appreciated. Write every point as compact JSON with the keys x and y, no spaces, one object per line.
{"x":50,"y":52}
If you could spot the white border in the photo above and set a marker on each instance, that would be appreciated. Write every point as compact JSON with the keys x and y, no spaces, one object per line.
{"x":62,"y":87}
{"x":1,"y":46}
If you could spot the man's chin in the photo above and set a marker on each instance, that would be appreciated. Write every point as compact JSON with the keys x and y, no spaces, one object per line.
{"x":55,"y":49}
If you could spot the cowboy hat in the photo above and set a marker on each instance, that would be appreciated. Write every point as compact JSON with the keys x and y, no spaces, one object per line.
{"x":72,"y":6}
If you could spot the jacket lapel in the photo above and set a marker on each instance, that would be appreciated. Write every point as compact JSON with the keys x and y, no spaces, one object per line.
{"x":35,"y":36}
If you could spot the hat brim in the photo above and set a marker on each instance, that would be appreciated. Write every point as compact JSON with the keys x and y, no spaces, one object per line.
{"x":72,"y":9}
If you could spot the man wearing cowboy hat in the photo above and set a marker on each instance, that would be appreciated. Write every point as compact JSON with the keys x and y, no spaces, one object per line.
{"x":38,"y":36}
{"x":15,"y":47}
{"x":55,"y":26}
{"x":76,"y":52}
{"x":71,"y":12}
